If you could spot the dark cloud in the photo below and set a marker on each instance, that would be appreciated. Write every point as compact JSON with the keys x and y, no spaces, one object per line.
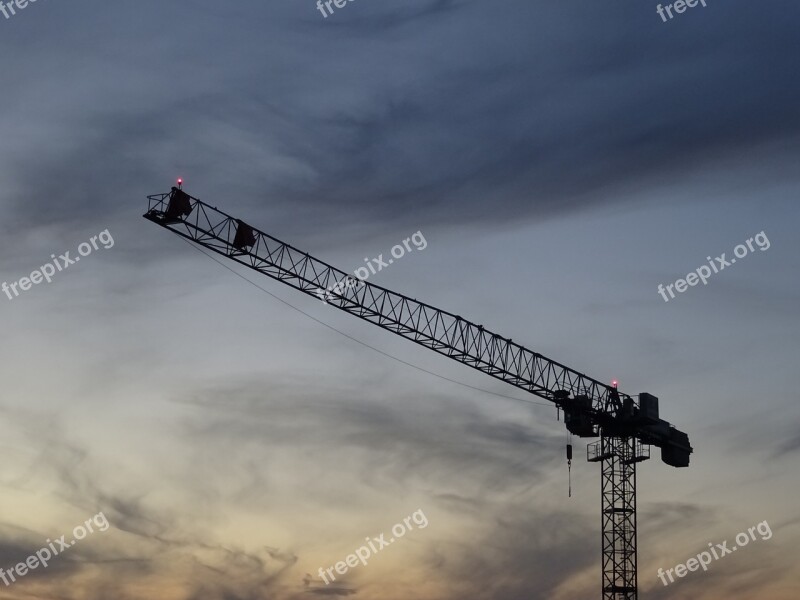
{"x":409,"y":441}
{"x":788,"y":446}
{"x":451,"y":109}
{"x":455,"y":114}
{"x":671,"y":516}
{"x":142,"y":544}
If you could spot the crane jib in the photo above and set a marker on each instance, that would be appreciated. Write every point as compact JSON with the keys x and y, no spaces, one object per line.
{"x":591,"y":408}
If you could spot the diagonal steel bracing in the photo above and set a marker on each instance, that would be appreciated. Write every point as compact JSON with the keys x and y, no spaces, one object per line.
{"x":618,"y":481}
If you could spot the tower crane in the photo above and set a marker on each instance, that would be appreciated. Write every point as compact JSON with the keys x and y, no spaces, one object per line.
{"x":625,"y":426}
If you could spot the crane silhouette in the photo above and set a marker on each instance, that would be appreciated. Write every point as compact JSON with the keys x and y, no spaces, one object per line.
{"x":626,"y":426}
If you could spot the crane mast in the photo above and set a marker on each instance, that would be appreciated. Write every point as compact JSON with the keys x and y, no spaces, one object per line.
{"x":626,"y":426}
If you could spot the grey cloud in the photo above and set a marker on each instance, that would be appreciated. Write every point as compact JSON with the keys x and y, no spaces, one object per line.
{"x":507,"y":123}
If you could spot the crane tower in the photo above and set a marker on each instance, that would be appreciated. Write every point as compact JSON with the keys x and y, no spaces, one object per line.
{"x":625,"y":426}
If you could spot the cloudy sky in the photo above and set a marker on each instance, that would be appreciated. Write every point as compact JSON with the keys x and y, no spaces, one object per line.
{"x":560,"y":161}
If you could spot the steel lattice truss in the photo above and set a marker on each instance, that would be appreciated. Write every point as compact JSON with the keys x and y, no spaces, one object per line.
{"x":591,"y":408}
{"x":439,"y":330}
{"x":619,"y":459}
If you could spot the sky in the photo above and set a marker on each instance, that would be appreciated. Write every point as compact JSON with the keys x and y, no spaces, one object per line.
{"x":561,"y":161}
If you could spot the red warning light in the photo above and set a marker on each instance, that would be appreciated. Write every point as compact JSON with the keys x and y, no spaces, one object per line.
{"x":615,"y":383}
{"x":180,"y":180}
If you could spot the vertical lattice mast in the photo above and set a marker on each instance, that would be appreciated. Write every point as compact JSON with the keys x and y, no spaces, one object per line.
{"x":618,"y":481}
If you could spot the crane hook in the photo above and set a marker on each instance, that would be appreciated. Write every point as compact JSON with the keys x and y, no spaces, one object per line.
{"x":569,"y":467}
